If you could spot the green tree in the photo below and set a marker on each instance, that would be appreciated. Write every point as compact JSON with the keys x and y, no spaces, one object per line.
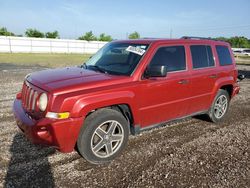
{"x":52,"y":35}
{"x":239,"y":42}
{"x":236,"y":42}
{"x":104,"y":37}
{"x":222,"y":39}
{"x":34,"y":33}
{"x":88,"y":36}
{"x":134,"y":35}
{"x":5,"y":32}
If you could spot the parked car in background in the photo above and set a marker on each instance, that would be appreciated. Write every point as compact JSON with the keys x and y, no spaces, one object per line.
{"x":126,"y":87}
{"x":246,"y":52}
{"x":241,"y":52}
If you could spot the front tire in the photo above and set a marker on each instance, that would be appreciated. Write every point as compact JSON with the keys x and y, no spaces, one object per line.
{"x":103,"y":136}
{"x":220,"y":106}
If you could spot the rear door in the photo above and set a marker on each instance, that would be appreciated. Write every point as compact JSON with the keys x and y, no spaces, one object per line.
{"x":203,"y":76}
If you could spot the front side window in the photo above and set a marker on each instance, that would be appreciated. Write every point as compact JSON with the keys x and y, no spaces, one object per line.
{"x":171,"y":56}
{"x":224,"y":55}
{"x":117,"y":58}
{"x":202,"y":56}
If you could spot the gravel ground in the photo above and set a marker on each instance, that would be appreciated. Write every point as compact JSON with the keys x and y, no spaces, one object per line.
{"x":188,"y":153}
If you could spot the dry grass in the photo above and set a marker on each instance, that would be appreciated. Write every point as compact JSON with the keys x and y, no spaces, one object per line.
{"x":44,"y":59}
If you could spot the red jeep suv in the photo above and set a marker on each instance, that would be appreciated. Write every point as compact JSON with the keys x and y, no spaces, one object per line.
{"x":126,"y":87}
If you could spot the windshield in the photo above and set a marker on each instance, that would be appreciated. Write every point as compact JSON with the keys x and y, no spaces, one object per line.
{"x":117,"y":58}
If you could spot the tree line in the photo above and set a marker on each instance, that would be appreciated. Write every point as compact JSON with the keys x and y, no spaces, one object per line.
{"x":89,"y":36}
{"x":236,"y":42}
{"x":31,"y":33}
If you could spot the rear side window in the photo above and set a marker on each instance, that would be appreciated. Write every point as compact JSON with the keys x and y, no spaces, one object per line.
{"x":202,"y":56}
{"x":172,"y":56}
{"x":224,"y":55}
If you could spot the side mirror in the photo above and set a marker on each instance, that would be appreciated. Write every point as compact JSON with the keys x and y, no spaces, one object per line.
{"x":241,"y":77}
{"x":156,"y":71}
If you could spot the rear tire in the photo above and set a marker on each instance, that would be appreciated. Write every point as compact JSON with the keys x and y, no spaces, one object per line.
{"x":103,"y":136}
{"x":220,"y":106}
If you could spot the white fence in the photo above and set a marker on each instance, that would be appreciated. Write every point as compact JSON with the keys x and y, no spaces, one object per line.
{"x":42,"y":45}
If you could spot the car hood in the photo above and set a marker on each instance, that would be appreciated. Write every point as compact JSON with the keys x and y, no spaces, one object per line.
{"x":72,"y":78}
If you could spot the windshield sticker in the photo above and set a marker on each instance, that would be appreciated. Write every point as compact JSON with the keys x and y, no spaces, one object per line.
{"x":135,"y":50}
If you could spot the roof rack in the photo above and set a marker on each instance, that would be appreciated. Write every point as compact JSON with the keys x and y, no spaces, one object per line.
{"x":149,"y":38}
{"x":197,"y":38}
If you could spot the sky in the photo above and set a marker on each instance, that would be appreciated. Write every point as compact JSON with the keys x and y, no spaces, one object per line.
{"x":158,"y":19}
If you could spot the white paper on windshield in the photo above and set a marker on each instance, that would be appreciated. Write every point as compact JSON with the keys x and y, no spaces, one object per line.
{"x":135,"y":50}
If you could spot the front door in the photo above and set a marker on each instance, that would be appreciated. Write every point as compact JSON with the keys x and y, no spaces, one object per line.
{"x":166,"y":98}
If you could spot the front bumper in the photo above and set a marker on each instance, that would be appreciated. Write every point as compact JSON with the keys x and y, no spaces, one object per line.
{"x":61,"y":134}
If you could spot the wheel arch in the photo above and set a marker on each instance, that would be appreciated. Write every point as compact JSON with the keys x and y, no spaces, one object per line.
{"x":228,"y":88}
{"x":124,"y":109}
{"x":225,"y":83}
{"x":123,"y":101}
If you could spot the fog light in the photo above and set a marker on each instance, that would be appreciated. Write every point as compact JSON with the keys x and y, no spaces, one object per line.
{"x":54,"y":115}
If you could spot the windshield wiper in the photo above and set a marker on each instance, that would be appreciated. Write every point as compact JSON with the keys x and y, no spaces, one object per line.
{"x":98,"y":68}
{"x":84,"y":66}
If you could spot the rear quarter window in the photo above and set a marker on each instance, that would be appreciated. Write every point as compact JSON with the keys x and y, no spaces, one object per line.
{"x":224,"y":55}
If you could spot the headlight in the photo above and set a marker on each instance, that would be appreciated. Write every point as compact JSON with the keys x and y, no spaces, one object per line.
{"x":27,"y":76}
{"x":43,"y":101}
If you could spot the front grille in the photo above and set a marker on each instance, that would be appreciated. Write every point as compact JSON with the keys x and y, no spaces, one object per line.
{"x":29,"y":96}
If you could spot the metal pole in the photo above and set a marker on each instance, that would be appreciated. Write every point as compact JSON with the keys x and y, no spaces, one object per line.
{"x":10,"y":45}
{"x":31,"y":47}
{"x":68,"y":46}
{"x":171,"y":33}
{"x":50,"y":42}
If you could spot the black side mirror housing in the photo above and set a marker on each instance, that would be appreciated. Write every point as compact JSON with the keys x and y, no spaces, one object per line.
{"x":241,"y":77}
{"x":156,"y":71}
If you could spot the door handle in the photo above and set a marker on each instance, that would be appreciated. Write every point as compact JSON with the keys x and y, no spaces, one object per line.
{"x":213,"y":76}
{"x":183,"y":82}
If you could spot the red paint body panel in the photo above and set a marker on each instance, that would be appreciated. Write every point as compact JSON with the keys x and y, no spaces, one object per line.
{"x":151,"y":101}
{"x":163,"y":95}
{"x":49,"y":132}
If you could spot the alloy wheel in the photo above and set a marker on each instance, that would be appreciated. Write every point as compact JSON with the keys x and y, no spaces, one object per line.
{"x":107,"y":139}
